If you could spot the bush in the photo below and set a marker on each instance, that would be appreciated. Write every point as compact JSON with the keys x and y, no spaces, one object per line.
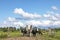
{"x":3,"y":35}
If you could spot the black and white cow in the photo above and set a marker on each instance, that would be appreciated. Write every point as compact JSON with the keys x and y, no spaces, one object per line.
{"x":30,"y":30}
{"x":23,"y":30}
{"x":36,"y":30}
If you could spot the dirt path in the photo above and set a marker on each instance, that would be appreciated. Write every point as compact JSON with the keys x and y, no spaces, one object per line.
{"x":22,"y":38}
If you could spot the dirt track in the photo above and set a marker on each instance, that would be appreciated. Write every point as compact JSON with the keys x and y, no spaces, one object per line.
{"x":22,"y":38}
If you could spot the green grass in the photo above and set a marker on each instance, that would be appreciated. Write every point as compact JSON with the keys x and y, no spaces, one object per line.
{"x":15,"y":34}
{"x":55,"y":37}
{"x":42,"y":37}
{"x":45,"y":36}
{"x":11,"y":34}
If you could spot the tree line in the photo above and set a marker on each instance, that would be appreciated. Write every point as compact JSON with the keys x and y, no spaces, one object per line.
{"x":12,"y":29}
{"x":6,"y":29}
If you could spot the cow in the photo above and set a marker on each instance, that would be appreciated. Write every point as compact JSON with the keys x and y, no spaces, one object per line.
{"x":36,"y":30}
{"x":28,"y":30}
{"x":23,"y":30}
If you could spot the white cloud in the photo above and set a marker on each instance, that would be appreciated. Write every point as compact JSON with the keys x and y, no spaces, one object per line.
{"x":54,"y":8}
{"x":26,"y":14}
{"x":57,"y":16}
{"x":5,"y":22}
{"x":11,"y":19}
{"x":50,"y":17}
{"x":39,"y":23}
{"x":46,"y":23}
{"x":18,"y":23}
{"x":19,"y":11}
{"x":46,"y":19}
{"x":57,"y":23}
{"x":46,"y":15}
{"x":31,"y":22}
{"x":34,"y":22}
{"x":42,"y":23}
{"x":54,"y":18}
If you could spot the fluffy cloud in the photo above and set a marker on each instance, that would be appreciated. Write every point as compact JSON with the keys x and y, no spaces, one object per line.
{"x":5,"y":22}
{"x":48,"y":19}
{"x":13,"y":22}
{"x":26,"y":14}
{"x":39,"y":23}
{"x":43,"y":23}
{"x":54,"y":8}
{"x":18,"y":23}
{"x":57,"y":16}
{"x":57,"y":23}
{"x":51,"y":17}
{"x":34,"y":23}
{"x":46,"y":23}
{"x":11,"y":19}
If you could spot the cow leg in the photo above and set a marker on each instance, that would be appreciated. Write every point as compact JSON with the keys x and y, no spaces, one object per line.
{"x":23,"y":34}
{"x":28,"y":33}
{"x":34,"y":34}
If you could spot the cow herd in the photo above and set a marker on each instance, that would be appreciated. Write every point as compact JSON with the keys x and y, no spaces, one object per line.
{"x":29,"y":31}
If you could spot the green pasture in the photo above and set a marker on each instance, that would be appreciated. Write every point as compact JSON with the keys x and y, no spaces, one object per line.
{"x":45,"y":36}
{"x":11,"y":34}
{"x":55,"y":37}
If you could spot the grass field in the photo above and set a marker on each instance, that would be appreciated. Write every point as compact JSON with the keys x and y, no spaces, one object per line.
{"x":11,"y":34}
{"x":3,"y":35}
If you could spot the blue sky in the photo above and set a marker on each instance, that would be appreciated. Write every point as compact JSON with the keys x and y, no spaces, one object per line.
{"x":40,"y":7}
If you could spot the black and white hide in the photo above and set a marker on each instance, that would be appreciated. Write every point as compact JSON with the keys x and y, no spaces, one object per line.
{"x":23,"y":30}
{"x":35,"y":30}
{"x":28,"y":31}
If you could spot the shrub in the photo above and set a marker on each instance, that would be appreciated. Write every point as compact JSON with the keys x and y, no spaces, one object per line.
{"x":3,"y":35}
